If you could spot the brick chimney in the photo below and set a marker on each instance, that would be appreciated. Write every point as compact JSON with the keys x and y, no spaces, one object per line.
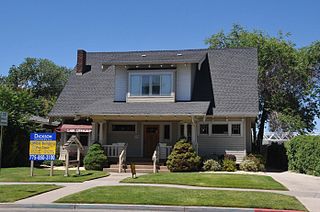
{"x":81,"y":62}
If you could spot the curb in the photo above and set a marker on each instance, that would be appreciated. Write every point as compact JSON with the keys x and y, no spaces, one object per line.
{"x":123,"y":207}
{"x":135,"y":207}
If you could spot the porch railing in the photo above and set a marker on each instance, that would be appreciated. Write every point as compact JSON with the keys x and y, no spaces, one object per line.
{"x":114,"y":150}
{"x":155,"y":159}
{"x":161,"y":152}
{"x":122,"y":158}
{"x":164,"y":151}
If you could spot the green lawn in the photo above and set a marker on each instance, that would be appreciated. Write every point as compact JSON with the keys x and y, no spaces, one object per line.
{"x":12,"y":193}
{"x":210,"y":180}
{"x":22,"y":174}
{"x":187,"y":197}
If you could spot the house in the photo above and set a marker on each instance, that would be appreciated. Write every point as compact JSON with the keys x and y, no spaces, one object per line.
{"x":146,"y":100}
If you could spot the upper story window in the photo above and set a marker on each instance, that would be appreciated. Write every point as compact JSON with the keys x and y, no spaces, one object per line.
{"x":150,"y":84}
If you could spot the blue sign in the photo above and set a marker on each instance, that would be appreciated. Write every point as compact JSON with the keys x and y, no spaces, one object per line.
{"x":43,"y":136}
{"x":42,"y":157}
{"x":42,"y":146}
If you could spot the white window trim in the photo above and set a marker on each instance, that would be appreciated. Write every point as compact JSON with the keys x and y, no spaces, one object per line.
{"x":241,"y":128}
{"x":220,"y":122}
{"x":209,"y":128}
{"x":156,"y":72}
{"x":123,"y":123}
{"x":229,"y":123}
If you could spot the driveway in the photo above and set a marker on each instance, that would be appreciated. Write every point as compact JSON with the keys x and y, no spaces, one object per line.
{"x":305,"y":188}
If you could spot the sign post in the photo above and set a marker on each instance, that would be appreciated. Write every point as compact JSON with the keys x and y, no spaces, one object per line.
{"x":42,"y":147}
{"x":3,"y":122}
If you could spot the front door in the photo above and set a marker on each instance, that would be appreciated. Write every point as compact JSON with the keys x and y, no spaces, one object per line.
{"x":151,"y":139}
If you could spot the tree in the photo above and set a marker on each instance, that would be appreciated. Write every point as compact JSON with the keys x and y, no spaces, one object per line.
{"x":30,"y":89}
{"x":288,"y":79}
{"x":41,"y":76}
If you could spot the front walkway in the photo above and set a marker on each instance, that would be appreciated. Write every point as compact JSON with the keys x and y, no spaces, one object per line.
{"x":306,"y":188}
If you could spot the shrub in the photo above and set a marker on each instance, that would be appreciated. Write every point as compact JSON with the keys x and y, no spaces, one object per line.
{"x":229,"y":157}
{"x":95,"y":158}
{"x":249,"y":165}
{"x":55,"y":163}
{"x":229,"y":165}
{"x":183,"y":158}
{"x":303,"y":154}
{"x":253,"y":162}
{"x":211,"y":165}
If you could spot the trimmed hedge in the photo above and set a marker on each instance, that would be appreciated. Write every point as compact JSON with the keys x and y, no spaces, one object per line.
{"x":95,"y":158}
{"x":183,"y":158}
{"x":304,"y":154}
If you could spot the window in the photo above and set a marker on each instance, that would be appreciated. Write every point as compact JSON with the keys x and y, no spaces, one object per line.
{"x":236,"y":129}
{"x":166,"y":132}
{"x":123,"y":127}
{"x":204,"y":129}
{"x":220,"y":129}
{"x":150,"y":85}
{"x":181,"y":131}
{"x":189,"y":132}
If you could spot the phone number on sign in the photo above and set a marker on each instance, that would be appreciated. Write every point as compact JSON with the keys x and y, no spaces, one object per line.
{"x":42,"y":157}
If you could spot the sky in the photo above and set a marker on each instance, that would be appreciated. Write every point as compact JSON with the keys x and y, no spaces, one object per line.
{"x":55,"y":29}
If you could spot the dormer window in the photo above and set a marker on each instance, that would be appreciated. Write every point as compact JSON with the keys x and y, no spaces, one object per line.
{"x":150,"y":84}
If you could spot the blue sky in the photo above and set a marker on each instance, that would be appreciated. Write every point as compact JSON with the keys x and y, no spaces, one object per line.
{"x":56,"y":29}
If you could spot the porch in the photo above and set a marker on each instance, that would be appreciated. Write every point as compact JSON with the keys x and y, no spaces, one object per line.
{"x":141,"y":142}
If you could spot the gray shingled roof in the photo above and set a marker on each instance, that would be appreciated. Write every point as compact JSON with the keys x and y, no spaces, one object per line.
{"x":233,"y":75}
{"x":105,"y":107}
{"x":148,"y":57}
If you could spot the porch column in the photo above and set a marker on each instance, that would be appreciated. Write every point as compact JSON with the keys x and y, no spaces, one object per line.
{"x":185,"y":130}
{"x":63,"y":138}
{"x":194,"y":137}
{"x":93,"y":133}
{"x":101,"y":132}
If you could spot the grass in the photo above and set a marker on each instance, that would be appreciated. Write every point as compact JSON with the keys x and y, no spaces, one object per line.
{"x":183,"y":197}
{"x":210,"y":180}
{"x":12,"y":193}
{"x":22,"y":174}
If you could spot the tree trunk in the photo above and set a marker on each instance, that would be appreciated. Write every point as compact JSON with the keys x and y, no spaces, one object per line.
{"x":263,"y":120}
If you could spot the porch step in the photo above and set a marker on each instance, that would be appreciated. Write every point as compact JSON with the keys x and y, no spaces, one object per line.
{"x":139,"y":168}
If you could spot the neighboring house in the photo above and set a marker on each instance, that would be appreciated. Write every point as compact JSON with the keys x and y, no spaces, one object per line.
{"x":143,"y":98}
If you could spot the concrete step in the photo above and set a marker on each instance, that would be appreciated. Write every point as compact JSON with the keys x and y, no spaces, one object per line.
{"x":137,"y":166}
{"x":140,"y":169}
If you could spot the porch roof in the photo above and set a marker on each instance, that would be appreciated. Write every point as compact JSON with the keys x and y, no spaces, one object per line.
{"x":105,"y":107}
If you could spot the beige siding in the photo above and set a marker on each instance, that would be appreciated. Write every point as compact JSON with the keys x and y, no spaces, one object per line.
{"x":132,"y":138}
{"x":219,"y":145}
{"x":135,"y":139}
{"x":183,"y":85}
{"x":121,"y":83}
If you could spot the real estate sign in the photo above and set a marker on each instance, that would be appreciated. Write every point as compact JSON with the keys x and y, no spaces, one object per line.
{"x":42,"y":146}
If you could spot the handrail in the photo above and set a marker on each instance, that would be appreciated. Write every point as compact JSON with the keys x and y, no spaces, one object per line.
{"x":122,"y":157}
{"x":155,"y":159}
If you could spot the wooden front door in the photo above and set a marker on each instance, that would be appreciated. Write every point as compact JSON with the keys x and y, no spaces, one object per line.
{"x":150,"y":139}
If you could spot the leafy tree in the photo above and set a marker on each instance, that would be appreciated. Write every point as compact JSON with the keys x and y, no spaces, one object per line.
{"x":20,"y":105}
{"x":288,"y":77}
{"x":41,"y":76}
{"x":30,"y":89}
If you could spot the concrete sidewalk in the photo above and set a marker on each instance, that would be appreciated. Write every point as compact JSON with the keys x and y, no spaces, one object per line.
{"x":71,"y":188}
{"x":305,"y":188}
